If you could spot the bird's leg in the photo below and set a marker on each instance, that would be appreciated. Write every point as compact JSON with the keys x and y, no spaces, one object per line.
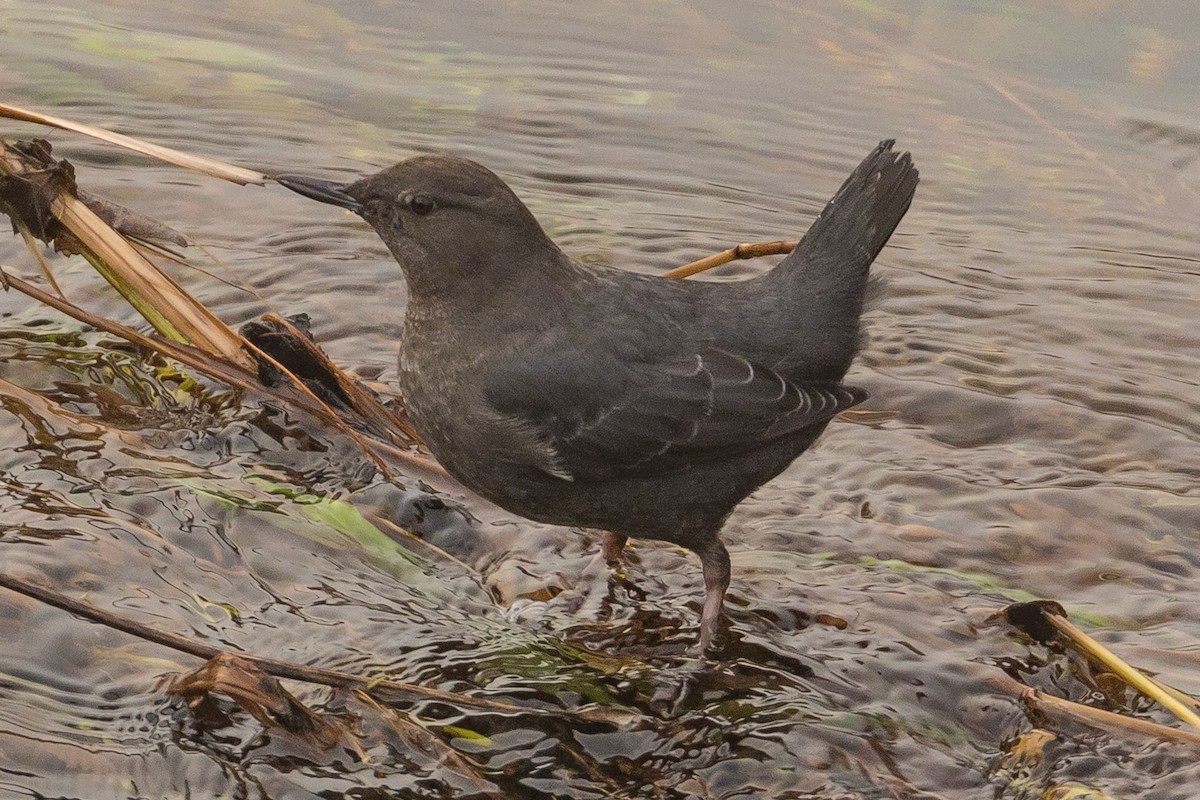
{"x":614,"y":547}
{"x":714,"y":558}
{"x":610,"y":561}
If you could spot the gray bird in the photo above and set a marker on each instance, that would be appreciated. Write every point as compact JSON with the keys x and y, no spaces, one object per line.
{"x":582,"y":395}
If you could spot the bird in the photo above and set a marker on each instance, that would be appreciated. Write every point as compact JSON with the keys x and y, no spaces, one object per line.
{"x":590,"y":396}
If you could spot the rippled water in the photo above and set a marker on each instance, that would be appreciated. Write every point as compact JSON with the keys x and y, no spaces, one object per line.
{"x":1034,"y":366}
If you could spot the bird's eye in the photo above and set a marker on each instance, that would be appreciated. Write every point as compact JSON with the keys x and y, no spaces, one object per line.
{"x":421,"y":203}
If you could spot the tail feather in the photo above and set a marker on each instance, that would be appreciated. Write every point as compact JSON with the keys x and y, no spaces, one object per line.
{"x":826,"y":275}
{"x":858,"y":221}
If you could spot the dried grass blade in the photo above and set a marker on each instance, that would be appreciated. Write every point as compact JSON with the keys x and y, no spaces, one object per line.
{"x":155,"y":296}
{"x":36,"y":252}
{"x":208,"y":166}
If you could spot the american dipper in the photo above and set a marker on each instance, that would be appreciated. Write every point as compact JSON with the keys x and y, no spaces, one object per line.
{"x":588,"y":396}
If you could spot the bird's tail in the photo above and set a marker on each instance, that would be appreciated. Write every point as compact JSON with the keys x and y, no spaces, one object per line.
{"x":825,"y":276}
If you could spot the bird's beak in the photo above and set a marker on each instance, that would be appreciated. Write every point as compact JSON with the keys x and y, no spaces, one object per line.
{"x":325,"y":191}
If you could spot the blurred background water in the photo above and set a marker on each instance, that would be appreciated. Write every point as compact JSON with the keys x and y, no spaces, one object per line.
{"x":1034,"y":369}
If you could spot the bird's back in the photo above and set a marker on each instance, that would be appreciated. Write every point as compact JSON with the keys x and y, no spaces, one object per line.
{"x":801,"y":318}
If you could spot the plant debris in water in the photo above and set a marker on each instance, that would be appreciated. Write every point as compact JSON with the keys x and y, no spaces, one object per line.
{"x":28,"y":194}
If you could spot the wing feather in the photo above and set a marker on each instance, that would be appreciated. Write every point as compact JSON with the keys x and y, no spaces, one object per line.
{"x":594,"y":421}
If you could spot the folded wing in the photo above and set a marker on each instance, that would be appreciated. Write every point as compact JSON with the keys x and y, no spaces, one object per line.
{"x":581,"y":423}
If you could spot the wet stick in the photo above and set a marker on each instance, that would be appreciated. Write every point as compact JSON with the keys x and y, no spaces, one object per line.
{"x":272,"y":666}
{"x":1144,"y":684}
{"x":735,"y":253}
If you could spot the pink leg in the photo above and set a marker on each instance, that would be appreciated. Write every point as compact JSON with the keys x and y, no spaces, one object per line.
{"x":715,"y":560}
{"x":614,"y":546}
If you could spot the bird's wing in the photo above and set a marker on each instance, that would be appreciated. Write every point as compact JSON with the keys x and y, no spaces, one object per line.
{"x":586,"y":420}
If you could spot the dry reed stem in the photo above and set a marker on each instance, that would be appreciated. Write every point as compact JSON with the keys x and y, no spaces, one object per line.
{"x":154,"y":293}
{"x":1147,"y":686}
{"x":1059,"y":708}
{"x":208,"y":166}
{"x":741,"y":251}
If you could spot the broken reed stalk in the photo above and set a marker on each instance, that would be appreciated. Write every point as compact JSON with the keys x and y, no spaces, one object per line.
{"x":161,"y":301}
{"x":332,"y":416}
{"x":172,"y":311}
{"x":272,"y":666}
{"x":1134,"y":677}
{"x":735,"y":253}
{"x":1108,"y":721}
{"x":366,"y":405}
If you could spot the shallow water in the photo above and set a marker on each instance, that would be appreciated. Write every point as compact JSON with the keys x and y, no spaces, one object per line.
{"x":1034,"y":370}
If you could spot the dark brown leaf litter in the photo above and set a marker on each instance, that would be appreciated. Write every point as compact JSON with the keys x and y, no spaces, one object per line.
{"x":32,"y":178}
{"x":299,"y":355}
{"x":263,"y":697}
{"x":288,"y":343}
{"x":1031,"y":619}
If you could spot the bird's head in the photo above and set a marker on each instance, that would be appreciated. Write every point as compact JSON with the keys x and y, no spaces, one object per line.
{"x":444,"y":218}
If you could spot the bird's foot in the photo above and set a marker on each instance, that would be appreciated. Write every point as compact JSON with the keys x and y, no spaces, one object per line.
{"x":613,"y":550}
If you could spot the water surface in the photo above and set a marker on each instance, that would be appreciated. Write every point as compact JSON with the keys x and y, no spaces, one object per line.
{"x":1032,"y":430}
